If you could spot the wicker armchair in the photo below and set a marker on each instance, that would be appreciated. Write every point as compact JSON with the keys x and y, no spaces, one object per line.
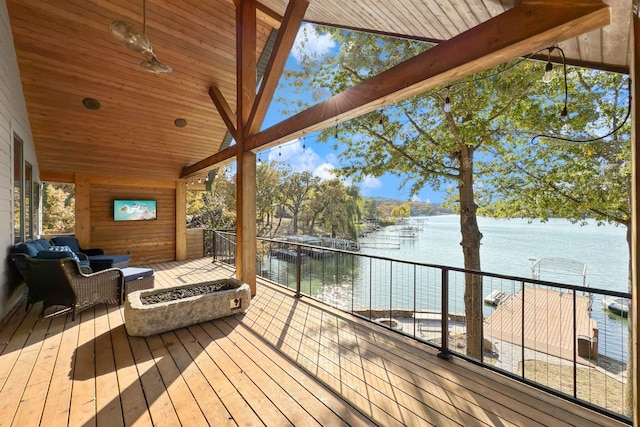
{"x":60,"y":283}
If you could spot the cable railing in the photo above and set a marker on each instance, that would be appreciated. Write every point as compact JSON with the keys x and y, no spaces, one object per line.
{"x":554,"y":336}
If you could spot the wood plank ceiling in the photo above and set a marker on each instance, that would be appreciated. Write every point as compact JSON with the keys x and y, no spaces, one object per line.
{"x":66,"y":53}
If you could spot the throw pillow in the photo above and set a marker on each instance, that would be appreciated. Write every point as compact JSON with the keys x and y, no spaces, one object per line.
{"x":65,"y":249}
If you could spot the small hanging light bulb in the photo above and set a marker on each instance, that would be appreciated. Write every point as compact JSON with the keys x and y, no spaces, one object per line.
{"x":193,"y":181}
{"x":199,"y":180}
{"x":336,"y":134}
{"x":304,"y":143}
{"x":279,"y":151}
{"x":206,"y":178}
{"x":548,"y":73}
{"x":447,"y":104}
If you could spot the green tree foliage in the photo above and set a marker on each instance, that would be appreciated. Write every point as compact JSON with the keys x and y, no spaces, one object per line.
{"x":213,"y":209}
{"x":296,"y":188}
{"x":58,"y":208}
{"x":401,"y":211}
{"x":267,"y":187}
{"x":420,"y":142}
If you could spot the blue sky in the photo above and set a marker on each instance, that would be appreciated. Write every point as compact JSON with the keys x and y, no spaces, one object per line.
{"x":320,"y":158}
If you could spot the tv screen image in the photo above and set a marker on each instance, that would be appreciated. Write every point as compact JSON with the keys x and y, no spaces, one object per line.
{"x":134,"y":210}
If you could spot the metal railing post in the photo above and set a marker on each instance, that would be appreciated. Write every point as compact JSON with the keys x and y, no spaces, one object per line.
{"x":444,"y":315}
{"x":298,"y":269}
{"x":213,"y":242}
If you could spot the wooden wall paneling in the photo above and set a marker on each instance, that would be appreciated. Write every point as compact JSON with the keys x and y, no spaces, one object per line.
{"x":145,"y":241}
{"x":181,"y":220}
{"x":195,"y":243}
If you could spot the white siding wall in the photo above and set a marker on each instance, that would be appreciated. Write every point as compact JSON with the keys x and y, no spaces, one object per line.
{"x":13,"y":119}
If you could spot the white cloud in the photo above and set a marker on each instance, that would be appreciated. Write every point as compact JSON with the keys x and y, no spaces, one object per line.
{"x":311,"y":44}
{"x":370,"y":183}
{"x":299,"y":158}
{"x":325,"y":171}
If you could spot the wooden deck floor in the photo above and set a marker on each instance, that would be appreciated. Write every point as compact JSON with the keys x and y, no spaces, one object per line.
{"x":285,"y":362}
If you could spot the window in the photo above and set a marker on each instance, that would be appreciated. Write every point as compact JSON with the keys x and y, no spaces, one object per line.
{"x":28,"y":201}
{"x":25,"y":196}
{"x":18,"y":200}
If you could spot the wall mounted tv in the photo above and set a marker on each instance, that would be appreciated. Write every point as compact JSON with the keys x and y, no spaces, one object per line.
{"x":134,"y":210}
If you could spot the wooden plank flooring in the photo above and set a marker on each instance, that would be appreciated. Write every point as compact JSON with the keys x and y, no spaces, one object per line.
{"x":286,"y":361}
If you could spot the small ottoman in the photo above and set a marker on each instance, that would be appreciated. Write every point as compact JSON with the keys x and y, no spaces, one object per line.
{"x":102,"y":262}
{"x":136,"y":279}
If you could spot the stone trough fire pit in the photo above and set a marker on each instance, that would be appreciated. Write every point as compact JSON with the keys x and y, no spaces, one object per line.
{"x":154,"y":311}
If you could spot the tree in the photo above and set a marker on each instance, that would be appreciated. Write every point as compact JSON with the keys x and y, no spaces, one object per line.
{"x":215,"y":208}
{"x":58,"y":213}
{"x":267,"y":187}
{"x":401,"y":211}
{"x":296,"y":189}
{"x":577,"y":177}
{"x":426,"y":144}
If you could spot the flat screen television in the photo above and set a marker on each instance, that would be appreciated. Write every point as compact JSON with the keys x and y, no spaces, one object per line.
{"x":134,"y":210}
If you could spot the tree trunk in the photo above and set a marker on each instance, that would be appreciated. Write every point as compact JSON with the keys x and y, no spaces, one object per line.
{"x":471,"y":237}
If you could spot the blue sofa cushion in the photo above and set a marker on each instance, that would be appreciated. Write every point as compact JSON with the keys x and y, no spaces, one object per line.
{"x":135,"y":273}
{"x":113,"y":259}
{"x":28,"y":248}
{"x":43,"y":244}
{"x":59,"y":252}
{"x":69,"y":241}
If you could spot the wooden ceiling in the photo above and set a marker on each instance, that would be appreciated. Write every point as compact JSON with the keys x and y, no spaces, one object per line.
{"x":66,"y":53}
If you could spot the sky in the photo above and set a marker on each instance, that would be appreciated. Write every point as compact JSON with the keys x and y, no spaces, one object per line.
{"x":320,"y":158}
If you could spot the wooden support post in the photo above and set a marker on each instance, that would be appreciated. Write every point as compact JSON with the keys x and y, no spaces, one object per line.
{"x":83,"y":209}
{"x":245,"y":161}
{"x":634,"y":312}
{"x":181,"y":220}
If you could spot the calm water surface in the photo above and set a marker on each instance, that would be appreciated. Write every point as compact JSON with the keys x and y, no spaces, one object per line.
{"x":509,"y":246}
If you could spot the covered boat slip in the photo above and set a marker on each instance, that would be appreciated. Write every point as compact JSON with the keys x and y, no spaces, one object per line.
{"x":286,"y":361}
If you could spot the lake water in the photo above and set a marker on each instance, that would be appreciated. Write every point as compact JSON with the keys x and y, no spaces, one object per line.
{"x":508,"y":246}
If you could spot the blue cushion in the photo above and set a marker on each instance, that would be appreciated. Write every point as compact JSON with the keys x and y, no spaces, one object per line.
{"x":28,"y":248}
{"x":113,"y":259}
{"x":63,"y":249}
{"x":43,"y":243}
{"x":134,"y":273}
{"x":69,"y":241}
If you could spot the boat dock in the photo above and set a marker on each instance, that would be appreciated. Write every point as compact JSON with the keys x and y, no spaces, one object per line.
{"x":548,"y":323}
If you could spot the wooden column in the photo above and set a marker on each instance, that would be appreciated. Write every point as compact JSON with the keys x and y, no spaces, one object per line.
{"x":181,"y":220}
{"x":246,"y":162}
{"x":83,"y":209}
{"x":634,"y":312}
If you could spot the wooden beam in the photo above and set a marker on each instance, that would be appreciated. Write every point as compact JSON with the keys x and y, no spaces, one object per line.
{"x":284,"y":42}
{"x":528,"y":27}
{"x":82,"y":188}
{"x":181,"y":220}
{"x":268,"y":16}
{"x":634,"y":309}
{"x":220,"y":158}
{"x":246,"y":42}
{"x":265,"y":15}
{"x":228,"y":117}
{"x":53,"y":176}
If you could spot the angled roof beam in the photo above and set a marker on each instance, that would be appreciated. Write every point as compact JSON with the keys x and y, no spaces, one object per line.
{"x":526,"y":28}
{"x":284,"y":42}
{"x":228,"y":116}
{"x":220,"y":158}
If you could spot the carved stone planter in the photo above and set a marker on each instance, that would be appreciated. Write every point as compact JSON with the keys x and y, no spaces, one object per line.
{"x":148,"y":319}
